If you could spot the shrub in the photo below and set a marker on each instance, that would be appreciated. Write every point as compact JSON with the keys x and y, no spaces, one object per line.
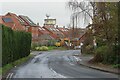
{"x":42,"y":48}
{"x":51,"y":42}
{"x":106,"y":54}
{"x":15,"y":45}
{"x":101,"y":50}
{"x":37,"y":48}
{"x":116,"y":66}
{"x":88,"y":49}
{"x":33,"y":45}
{"x":99,"y":53}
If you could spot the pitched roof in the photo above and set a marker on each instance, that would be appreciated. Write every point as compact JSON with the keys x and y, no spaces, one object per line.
{"x":9,"y":24}
{"x":27,"y":20}
{"x":64,"y":31}
{"x":76,"y":32}
{"x":22,"y":21}
{"x":11,"y":20}
{"x":46,"y":37}
{"x":43,"y":30}
{"x":54,"y":31}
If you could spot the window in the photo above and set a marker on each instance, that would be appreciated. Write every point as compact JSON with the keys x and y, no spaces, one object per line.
{"x":40,"y":29}
{"x":21,"y":20}
{"x":43,"y":29}
{"x":51,"y":29}
{"x":7,"y":20}
{"x":57,"y":30}
{"x":63,"y":30}
{"x":29,"y":21}
{"x":54,"y":29}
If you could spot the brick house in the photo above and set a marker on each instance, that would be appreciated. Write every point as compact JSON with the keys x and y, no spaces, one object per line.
{"x":12,"y":20}
{"x":54,"y":32}
{"x":64,"y":30}
{"x":44,"y":36}
{"x":49,"y":25}
{"x":30,"y":27}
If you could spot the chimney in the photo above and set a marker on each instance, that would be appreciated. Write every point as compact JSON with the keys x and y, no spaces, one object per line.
{"x":37,"y":24}
{"x":56,"y":26}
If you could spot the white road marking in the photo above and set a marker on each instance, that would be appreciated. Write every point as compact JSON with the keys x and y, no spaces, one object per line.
{"x":9,"y":76}
{"x":57,"y":73}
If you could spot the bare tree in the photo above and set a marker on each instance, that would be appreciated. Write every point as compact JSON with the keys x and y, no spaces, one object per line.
{"x":81,"y":9}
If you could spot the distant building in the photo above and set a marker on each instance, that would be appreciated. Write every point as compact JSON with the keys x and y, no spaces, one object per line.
{"x":12,"y":20}
{"x":49,"y":22}
{"x":30,"y":27}
{"x":64,"y":30}
{"x":49,"y":25}
{"x":21,"y":23}
{"x":44,"y":36}
{"x":56,"y":33}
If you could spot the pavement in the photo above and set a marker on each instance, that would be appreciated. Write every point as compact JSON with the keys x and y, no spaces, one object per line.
{"x":100,"y":66}
{"x":58,"y":64}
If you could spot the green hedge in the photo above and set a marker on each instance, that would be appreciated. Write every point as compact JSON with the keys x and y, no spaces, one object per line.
{"x":15,"y":45}
{"x":107,"y":54}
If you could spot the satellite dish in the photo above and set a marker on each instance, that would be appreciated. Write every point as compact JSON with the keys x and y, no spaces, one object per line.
{"x":47,"y":16}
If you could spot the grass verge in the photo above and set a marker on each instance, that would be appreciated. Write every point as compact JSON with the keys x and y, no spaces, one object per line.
{"x":52,"y":47}
{"x":56,"y":48}
{"x":116,"y":66}
{"x":9,"y":66}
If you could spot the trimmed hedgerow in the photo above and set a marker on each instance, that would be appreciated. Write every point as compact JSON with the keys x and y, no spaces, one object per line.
{"x":15,"y":45}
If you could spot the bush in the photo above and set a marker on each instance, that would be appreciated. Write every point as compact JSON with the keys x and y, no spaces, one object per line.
{"x":88,"y":49}
{"x":42,"y":48}
{"x":15,"y":45}
{"x":106,"y":55}
{"x":116,"y":66}
{"x":37,"y":48}
{"x":100,"y":53}
{"x":51,"y":42}
{"x":33,"y":45}
{"x":101,"y":50}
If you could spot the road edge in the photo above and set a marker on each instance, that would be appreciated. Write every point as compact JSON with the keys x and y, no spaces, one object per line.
{"x":97,"y":68}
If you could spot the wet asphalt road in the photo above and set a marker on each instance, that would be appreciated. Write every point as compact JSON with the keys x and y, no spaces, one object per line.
{"x":57,"y":64}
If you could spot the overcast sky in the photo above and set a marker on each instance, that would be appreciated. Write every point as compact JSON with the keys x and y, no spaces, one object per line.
{"x":37,"y":11}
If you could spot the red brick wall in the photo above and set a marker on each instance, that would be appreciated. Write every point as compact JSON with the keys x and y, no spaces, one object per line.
{"x":35,"y":32}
